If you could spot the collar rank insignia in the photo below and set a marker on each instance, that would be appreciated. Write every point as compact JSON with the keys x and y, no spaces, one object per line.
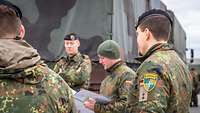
{"x":150,"y":80}
{"x":143,"y":94}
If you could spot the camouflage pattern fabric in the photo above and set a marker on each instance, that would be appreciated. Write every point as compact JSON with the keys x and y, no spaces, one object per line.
{"x":75,"y":70}
{"x":115,"y":86}
{"x":32,"y":89}
{"x":163,"y":83}
{"x":195,"y":80}
{"x":19,"y":55}
{"x":195,"y":88}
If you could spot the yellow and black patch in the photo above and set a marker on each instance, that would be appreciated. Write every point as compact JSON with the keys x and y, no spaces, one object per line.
{"x":150,"y":80}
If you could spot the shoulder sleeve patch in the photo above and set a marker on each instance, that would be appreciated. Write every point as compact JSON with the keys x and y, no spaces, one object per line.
{"x":149,"y":81}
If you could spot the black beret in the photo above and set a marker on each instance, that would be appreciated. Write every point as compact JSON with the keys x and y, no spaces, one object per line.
{"x":71,"y":36}
{"x":12,"y":6}
{"x":153,"y":12}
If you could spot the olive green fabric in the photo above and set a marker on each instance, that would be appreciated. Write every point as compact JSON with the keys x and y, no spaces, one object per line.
{"x":17,"y":54}
{"x":109,"y":49}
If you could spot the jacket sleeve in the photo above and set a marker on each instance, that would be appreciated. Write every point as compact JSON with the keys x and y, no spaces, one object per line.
{"x":150,"y":91}
{"x":58,"y":66}
{"x":117,"y":105}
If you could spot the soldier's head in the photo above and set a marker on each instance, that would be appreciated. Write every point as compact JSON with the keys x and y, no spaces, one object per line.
{"x":109,"y":53}
{"x":72,"y":43}
{"x":153,"y":26}
{"x":193,"y":72}
{"x":10,"y":23}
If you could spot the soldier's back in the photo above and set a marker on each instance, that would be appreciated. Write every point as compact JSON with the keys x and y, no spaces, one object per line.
{"x":162,"y":85}
{"x":36,"y":89}
{"x":176,"y":77}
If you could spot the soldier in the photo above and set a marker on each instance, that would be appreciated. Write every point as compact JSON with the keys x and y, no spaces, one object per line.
{"x":195,"y":79}
{"x":76,"y":67}
{"x":27,"y":85}
{"x":116,"y":85}
{"x":163,"y":83}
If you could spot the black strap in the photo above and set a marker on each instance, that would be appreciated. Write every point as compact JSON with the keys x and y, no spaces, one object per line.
{"x":12,"y":6}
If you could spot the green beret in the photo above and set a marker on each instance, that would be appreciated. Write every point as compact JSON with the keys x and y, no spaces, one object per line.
{"x":109,"y":49}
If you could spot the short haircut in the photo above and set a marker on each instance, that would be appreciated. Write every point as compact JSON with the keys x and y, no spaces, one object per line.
{"x":9,"y":21}
{"x":158,"y":22}
{"x":192,"y":69}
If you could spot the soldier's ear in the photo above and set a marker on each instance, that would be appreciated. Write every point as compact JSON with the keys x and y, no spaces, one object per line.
{"x":78,"y":42}
{"x":147,"y":33}
{"x":21,"y":32}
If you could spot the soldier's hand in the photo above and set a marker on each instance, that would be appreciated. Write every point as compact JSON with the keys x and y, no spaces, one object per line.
{"x":89,"y":103}
{"x":65,"y":76}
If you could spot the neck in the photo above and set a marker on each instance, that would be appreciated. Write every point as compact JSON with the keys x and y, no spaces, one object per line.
{"x":71,"y":55}
{"x":114,"y":61}
{"x":113,"y":65}
{"x":8,"y":36}
{"x":152,"y":43}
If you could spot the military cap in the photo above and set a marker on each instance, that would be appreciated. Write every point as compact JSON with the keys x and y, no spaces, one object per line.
{"x":109,"y":49}
{"x":151,"y":13}
{"x":71,"y":36}
{"x":12,"y":6}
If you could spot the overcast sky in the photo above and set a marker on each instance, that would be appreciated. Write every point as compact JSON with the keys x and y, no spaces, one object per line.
{"x":188,"y":14}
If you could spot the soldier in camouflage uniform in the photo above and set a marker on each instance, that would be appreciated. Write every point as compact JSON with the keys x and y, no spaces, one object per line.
{"x":27,"y":85}
{"x":76,"y":67}
{"x":195,"y":80}
{"x":163,"y":83}
{"x":116,"y":85}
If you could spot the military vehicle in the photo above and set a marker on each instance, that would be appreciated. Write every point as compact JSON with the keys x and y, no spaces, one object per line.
{"x":48,"y":21}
